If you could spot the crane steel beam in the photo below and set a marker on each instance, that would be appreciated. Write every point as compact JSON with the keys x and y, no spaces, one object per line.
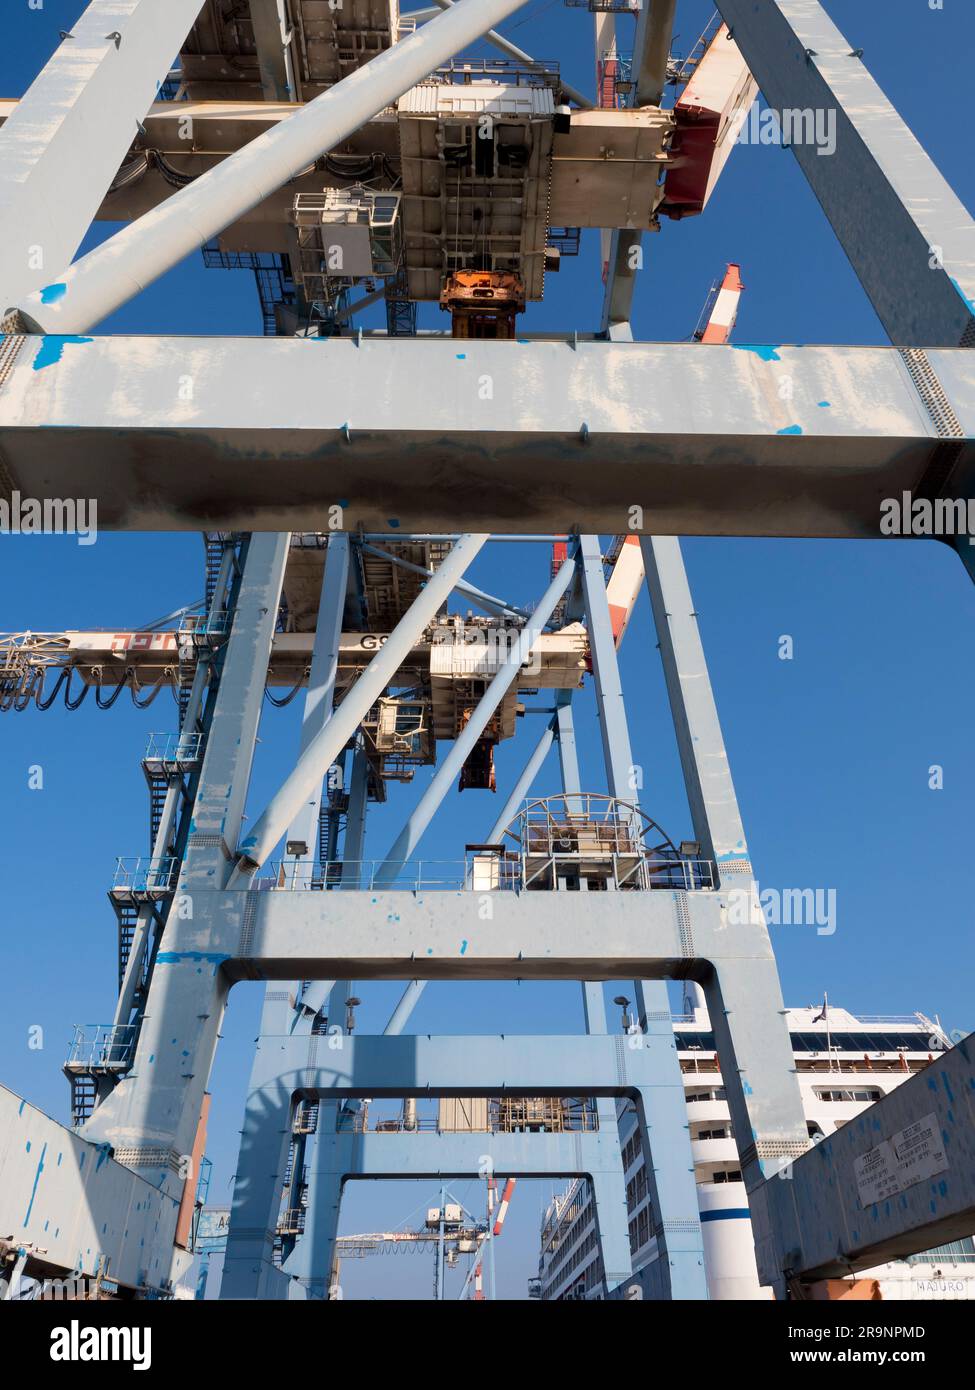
{"x":64,"y":141}
{"x":544,"y":436}
{"x":898,"y":1178}
{"x":711,"y":795}
{"x":317,"y":757}
{"x":881,"y":192}
{"x":83,"y":294}
{"x":343,"y":1157}
{"x":651,"y":49}
{"x":272,"y":39}
{"x":320,"y":694}
{"x":84,"y":1214}
{"x":520,"y":653}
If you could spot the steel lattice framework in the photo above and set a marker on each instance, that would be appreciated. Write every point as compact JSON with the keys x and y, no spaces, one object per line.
{"x":408,"y":442}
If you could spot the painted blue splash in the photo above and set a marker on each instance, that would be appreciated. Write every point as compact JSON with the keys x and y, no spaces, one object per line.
{"x":103,"y":1152}
{"x":21,"y":1110}
{"x":174,"y":957}
{"x":767,"y":354}
{"x":463,"y":946}
{"x":37,"y":1178}
{"x":792,"y":429}
{"x":969,"y":302}
{"x":825,"y":405}
{"x":52,"y":348}
{"x":53,"y":294}
{"x":393,"y":521}
{"x":461,"y":356}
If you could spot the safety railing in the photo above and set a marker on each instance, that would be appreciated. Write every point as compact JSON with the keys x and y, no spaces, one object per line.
{"x":486,"y":873}
{"x":502,"y":1116}
{"x":292,"y":1221}
{"x":101,"y":1046}
{"x":366,"y":874}
{"x":542,"y":72}
{"x":144,"y":876}
{"x":205,"y":626}
{"x":621,"y":871}
{"x":175,"y":749}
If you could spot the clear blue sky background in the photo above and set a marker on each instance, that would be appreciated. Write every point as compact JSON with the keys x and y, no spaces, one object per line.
{"x":830,"y":752}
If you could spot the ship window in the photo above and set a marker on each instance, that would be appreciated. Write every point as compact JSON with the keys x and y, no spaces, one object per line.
{"x":842,"y":1096}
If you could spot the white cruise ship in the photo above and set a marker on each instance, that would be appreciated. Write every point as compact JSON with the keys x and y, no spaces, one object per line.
{"x":844,"y":1063}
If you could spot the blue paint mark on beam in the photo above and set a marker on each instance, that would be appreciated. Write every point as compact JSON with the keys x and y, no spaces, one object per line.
{"x":766,"y":353}
{"x":175,"y":957}
{"x":53,"y":294}
{"x":964,"y":296}
{"x":37,"y":1178}
{"x":52,"y":348}
{"x":792,"y":429}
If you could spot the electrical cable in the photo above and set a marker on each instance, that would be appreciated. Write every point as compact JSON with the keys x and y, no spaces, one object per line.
{"x":135,"y":688}
{"x":68,"y":702}
{"x":286,"y":700}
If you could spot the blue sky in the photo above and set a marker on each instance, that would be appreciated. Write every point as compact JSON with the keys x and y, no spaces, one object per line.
{"x":830,"y":751}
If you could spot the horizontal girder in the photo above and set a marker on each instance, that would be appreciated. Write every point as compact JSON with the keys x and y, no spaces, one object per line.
{"x":391,"y":935}
{"x":174,"y":433}
{"x":419,"y":1065}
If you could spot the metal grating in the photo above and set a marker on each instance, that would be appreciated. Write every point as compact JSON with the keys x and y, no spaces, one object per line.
{"x":932,"y":393}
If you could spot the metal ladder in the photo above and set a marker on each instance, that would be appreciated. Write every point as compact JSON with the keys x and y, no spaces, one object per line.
{"x":127,"y":914}
{"x":82,"y":1097}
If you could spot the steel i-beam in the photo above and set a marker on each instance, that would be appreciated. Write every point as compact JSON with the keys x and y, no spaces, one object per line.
{"x":745,"y":440}
{"x":66,"y":138}
{"x":908,"y":236}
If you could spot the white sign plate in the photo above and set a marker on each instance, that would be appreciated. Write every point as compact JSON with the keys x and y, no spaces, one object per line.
{"x":907,"y":1157}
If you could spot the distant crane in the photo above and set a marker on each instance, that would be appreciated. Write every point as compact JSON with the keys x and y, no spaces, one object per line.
{"x":449,"y":1230}
{"x":476,"y":1272}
